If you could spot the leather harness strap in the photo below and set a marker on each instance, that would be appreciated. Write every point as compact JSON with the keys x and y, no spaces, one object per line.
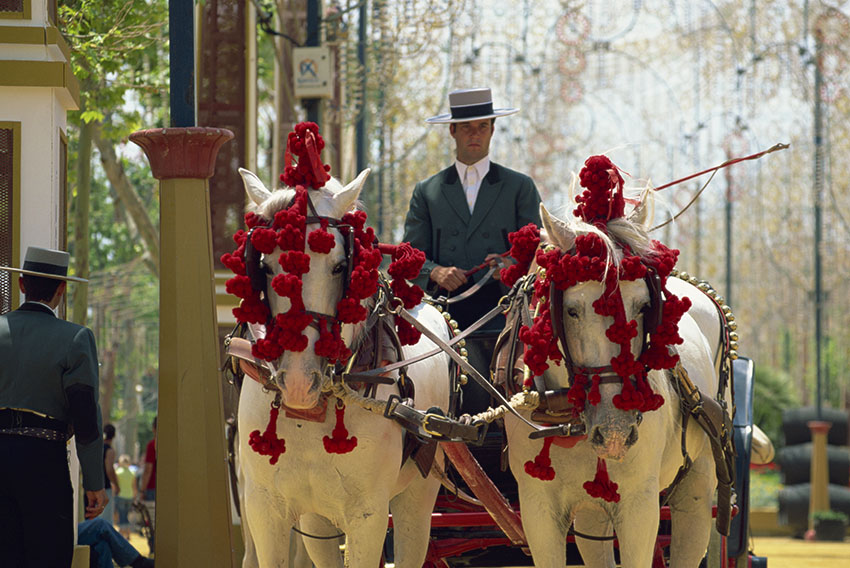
{"x":715,"y":421}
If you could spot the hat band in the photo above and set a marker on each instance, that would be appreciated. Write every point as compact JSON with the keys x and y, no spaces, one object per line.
{"x":46,"y":268}
{"x":472,"y":110}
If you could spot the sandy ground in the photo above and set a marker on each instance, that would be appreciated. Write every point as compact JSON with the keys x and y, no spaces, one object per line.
{"x":781,"y":552}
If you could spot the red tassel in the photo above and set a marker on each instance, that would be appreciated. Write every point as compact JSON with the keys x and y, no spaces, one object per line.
{"x":594,"y":397}
{"x":340,"y":443}
{"x":602,"y":486}
{"x":541,"y":467}
{"x":267,"y":443}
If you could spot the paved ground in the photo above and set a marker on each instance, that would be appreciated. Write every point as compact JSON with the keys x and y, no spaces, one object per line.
{"x":781,"y":552}
{"x":140,"y":543}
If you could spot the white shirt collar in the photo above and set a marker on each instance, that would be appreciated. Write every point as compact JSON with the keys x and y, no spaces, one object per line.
{"x":482,"y":166}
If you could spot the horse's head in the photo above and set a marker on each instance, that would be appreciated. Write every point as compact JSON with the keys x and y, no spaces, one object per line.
{"x":591,"y":341}
{"x":301,"y":251}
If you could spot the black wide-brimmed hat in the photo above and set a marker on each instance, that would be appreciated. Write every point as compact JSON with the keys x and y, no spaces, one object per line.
{"x":470,"y":104}
{"x":46,"y":263}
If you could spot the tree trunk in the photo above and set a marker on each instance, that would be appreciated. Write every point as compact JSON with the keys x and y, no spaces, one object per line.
{"x":130,"y":199}
{"x":107,"y":383}
{"x":81,"y":225}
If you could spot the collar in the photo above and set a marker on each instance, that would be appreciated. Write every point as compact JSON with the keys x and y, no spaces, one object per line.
{"x":482,"y":165}
{"x":31,"y":306}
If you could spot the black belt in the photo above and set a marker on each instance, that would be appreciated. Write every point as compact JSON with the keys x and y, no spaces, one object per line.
{"x":10,"y":418}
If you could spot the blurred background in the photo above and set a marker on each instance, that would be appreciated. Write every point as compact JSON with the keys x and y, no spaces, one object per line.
{"x":666,"y":88}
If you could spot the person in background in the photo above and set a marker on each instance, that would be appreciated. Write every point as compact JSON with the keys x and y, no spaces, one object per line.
{"x":112,"y":484}
{"x":126,"y":494}
{"x":107,"y":545}
{"x":148,"y":485}
{"x":461,"y":217}
{"x":48,"y":385}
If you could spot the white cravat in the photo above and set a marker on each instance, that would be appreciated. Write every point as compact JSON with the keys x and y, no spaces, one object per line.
{"x":471,"y":184}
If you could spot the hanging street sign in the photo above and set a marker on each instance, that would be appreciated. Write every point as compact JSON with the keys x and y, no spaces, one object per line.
{"x":312,"y":68}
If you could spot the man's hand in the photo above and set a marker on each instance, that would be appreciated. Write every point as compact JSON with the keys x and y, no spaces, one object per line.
{"x":498,"y":260}
{"x":449,"y":277}
{"x":97,"y":501}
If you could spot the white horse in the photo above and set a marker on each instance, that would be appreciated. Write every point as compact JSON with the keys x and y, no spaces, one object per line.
{"x":642,"y":451}
{"x":323,"y":493}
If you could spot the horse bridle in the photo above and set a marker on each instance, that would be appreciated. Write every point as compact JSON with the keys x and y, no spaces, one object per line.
{"x":606,"y":373}
{"x":258,"y":273}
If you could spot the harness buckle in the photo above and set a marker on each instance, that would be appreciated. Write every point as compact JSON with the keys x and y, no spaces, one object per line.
{"x":425,"y":422}
{"x":394,"y":306}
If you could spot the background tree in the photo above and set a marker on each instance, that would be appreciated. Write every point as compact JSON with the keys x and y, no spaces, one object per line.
{"x":119,"y":55}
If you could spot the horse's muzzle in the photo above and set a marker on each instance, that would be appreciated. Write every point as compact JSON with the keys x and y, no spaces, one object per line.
{"x":613,"y":444}
{"x":299,"y":392}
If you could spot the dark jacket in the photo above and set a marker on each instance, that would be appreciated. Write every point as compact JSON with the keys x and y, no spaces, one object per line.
{"x":50,"y":368}
{"x":438,"y":222}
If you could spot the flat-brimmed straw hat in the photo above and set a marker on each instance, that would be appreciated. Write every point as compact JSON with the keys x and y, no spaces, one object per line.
{"x":46,"y":263}
{"x":470,"y":104}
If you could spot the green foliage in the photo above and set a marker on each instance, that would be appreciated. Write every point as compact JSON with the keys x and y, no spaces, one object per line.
{"x":773,"y":392}
{"x":829,"y":516}
{"x":118,"y":47}
{"x":764,"y":488}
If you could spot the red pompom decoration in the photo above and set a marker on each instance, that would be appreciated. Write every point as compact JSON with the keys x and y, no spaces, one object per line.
{"x":407,"y":334}
{"x":330,"y":344}
{"x":264,"y":240}
{"x":267,"y":443}
{"x":321,"y":240}
{"x":295,"y":262}
{"x":339,"y":443}
{"x":349,"y":310}
{"x":523,"y":244}
{"x":601,"y":486}
{"x":251,"y":310}
{"x":306,"y":143}
{"x":541,"y":467}
{"x":239,"y":286}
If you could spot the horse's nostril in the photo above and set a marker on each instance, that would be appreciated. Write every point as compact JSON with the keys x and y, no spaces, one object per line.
{"x":597,"y":438}
{"x":317,"y":381}
{"x":633,"y":436}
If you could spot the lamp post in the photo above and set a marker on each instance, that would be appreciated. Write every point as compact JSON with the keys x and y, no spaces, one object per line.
{"x":193,"y":511}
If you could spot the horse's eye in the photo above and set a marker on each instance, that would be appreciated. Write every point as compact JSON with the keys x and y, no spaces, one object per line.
{"x":340,"y":267}
{"x":572,"y":312}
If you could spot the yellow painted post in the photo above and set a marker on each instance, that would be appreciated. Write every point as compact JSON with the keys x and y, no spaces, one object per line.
{"x":193,"y":524}
{"x":819,"y":472}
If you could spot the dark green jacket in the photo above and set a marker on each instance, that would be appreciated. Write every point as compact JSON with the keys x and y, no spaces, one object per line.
{"x":50,"y":366}
{"x":439,"y":223}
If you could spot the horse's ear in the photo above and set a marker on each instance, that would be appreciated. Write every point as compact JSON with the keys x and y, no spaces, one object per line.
{"x":558,"y":231}
{"x":254,"y":187}
{"x":344,"y":200}
{"x":644,"y":210}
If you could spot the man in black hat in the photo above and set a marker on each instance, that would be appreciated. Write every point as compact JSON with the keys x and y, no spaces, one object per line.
{"x":48,"y":392}
{"x":461,"y":217}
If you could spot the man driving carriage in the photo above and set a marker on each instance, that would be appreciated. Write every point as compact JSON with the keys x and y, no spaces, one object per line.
{"x":461,"y":217}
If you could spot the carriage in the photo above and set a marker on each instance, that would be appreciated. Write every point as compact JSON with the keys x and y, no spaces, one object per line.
{"x":353,"y":360}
